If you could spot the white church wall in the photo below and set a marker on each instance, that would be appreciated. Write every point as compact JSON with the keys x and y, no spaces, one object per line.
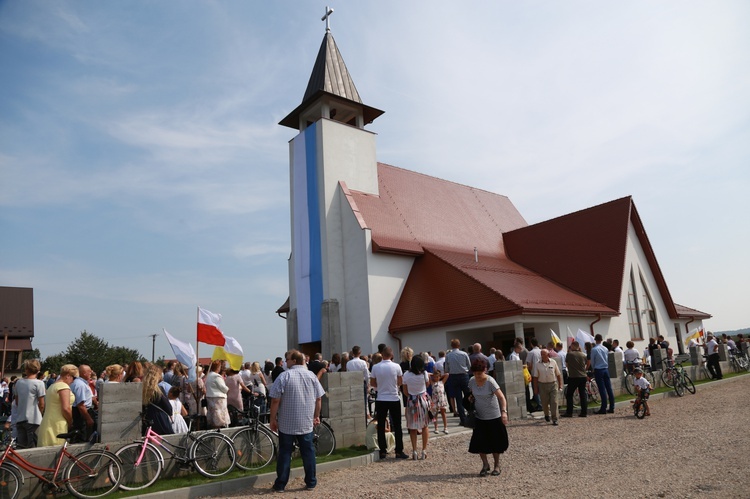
{"x":388,"y":274}
{"x":355,"y":324}
{"x":635,"y":259}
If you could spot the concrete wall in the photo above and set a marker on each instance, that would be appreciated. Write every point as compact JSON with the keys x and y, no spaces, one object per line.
{"x":509,"y":375}
{"x":344,"y":407}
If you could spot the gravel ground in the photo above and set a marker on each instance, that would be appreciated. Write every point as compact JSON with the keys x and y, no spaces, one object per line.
{"x":614,"y":455}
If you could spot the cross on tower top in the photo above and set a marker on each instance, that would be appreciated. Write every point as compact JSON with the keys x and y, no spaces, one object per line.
{"x":326,"y":18}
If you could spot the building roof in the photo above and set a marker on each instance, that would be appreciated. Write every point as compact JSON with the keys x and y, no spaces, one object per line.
{"x":684,"y":312}
{"x":330,"y":77}
{"x":16,"y":312}
{"x":570,"y":265}
{"x":446,"y":287}
{"x":415,"y":211}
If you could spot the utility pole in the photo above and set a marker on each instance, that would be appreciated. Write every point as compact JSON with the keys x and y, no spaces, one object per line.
{"x":153,"y":345}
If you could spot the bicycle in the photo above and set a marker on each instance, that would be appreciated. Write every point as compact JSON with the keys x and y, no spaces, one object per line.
{"x":92,"y":473}
{"x":682,"y":379}
{"x":592,"y":391}
{"x":323,"y":439}
{"x":211,"y":454}
{"x":253,"y":444}
{"x":669,"y":374}
{"x":738,"y":361}
{"x":639,"y":404}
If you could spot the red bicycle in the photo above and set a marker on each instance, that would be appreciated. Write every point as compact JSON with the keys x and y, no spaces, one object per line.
{"x":92,"y":473}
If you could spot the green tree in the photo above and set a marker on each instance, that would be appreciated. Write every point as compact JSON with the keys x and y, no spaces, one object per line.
{"x":53,"y":363}
{"x":97,"y":353}
{"x":32,"y":354}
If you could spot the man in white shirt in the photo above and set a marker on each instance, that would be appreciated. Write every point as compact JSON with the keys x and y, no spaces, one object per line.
{"x":386,"y":378}
{"x":712,"y":362}
{"x":357,"y":364}
{"x":492,"y":360}
{"x":534,"y":356}
{"x":440,"y":364}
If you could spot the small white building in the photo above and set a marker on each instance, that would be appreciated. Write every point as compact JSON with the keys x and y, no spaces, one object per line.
{"x":381,"y":254}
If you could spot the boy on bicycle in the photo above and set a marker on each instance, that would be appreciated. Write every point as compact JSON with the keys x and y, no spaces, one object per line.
{"x":642,"y":388}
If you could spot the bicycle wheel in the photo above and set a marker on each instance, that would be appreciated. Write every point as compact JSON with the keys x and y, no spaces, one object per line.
{"x":640,"y":410}
{"x":94,"y":473}
{"x":688,"y":383}
{"x":679,"y":388}
{"x":323,"y":439}
{"x":213,"y":454}
{"x":650,"y":377}
{"x":146,"y":472}
{"x":254,"y":448}
{"x":11,"y":480}
{"x":593,"y":392}
{"x":629,"y":384}
{"x":668,"y":377}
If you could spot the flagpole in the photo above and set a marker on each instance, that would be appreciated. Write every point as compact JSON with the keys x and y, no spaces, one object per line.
{"x":197,"y":343}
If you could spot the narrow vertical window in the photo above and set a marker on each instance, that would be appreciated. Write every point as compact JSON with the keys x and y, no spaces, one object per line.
{"x":649,"y":311}
{"x":634,"y":316}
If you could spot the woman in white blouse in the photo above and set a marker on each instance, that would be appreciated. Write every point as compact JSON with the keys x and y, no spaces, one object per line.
{"x":216,"y":396}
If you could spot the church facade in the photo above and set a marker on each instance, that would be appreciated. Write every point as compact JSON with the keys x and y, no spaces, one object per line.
{"x":381,"y":254}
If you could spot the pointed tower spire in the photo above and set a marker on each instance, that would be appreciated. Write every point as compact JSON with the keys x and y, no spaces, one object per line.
{"x":330,"y":92}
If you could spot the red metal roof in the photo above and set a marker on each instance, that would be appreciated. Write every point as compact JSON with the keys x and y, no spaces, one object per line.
{"x":570,"y":265}
{"x":446,"y":287}
{"x":414,"y":211}
{"x":584,"y":250}
{"x":684,"y":312}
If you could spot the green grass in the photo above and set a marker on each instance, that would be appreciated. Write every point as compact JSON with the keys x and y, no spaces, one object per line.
{"x":195,"y":478}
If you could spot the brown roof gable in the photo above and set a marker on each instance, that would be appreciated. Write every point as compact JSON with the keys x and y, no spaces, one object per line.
{"x":585,"y":251}
{"x":446,"y":287}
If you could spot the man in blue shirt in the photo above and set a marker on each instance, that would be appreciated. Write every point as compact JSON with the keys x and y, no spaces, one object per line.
{"x":600,"y":365}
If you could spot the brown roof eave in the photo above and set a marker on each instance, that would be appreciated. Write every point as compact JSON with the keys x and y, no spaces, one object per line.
{"x":377,"y":248}
{"x":478,"y":318}
{"x":292,"y":119}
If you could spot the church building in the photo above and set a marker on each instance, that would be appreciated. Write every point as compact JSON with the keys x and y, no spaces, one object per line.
{"x":382,"y":254}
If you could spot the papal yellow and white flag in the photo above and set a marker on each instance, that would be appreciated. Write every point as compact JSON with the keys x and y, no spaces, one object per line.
{"x":555,"y":339}
{"x":231,"y":352}
{"x":695,"y":334}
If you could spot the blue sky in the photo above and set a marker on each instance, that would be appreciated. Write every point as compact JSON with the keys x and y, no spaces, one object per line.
{"x":143,"y":173}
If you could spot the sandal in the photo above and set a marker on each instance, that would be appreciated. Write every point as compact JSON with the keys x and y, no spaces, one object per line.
{"x":485,"y":471}
{"x":495,"y":472}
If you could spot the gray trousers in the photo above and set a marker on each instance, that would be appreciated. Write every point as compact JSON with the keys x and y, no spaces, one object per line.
{"x":548,"y":393}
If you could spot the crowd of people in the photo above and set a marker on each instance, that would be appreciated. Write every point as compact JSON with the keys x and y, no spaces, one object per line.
{"x":420,"y":387}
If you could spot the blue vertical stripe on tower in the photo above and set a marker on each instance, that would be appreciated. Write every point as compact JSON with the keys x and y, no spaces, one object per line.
{"x":313,"y":214}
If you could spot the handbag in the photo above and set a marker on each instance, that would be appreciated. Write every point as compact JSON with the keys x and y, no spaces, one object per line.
{"x":471,"y":419}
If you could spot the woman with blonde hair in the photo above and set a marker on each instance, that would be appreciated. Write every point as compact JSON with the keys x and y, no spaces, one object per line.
{"x":113,"y":373}
{"x":29,"y":396}
{"x":216,"y":397}
{"x":156,"y":406}
{"x":58,"y":413}
{"x":259,"y":385}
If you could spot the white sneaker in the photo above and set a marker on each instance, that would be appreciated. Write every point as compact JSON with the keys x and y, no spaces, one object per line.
{"x":435,"y":432}
{"x":445,"y":431}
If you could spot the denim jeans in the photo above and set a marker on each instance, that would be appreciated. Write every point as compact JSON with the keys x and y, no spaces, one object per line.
{"x":284,"y":462}
{"x":458,"y":386}
{"x":604,"y":384}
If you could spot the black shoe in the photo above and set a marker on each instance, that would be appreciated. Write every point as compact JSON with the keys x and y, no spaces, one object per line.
{"x":600,"y":412}
{"x":554,"y":422}
{"x":401,"y":455}
{"x":546,"y":418}
{"x":581,"y":415}
{"x":382,"y":455}
{"x":611,"y":411}
{"x":566,"y":415}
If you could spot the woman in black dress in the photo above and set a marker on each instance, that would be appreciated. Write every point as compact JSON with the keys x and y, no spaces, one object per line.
{"x":491,"y":410}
